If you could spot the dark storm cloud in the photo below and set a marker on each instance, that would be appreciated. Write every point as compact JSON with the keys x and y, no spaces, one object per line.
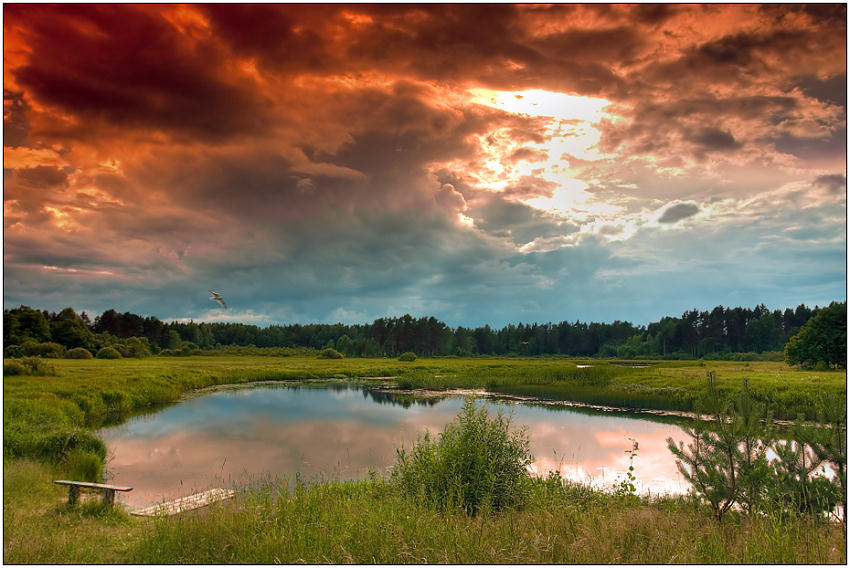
{"x":41,"y":177}
{"x":517,"y":222}
{"x":832,"y":90}
{"x":678,"y":212}
{"x":813,"y":149}
{"x":283,"y":37}
{"x":832,"y":182}
{"x":658,"y":126}
{"x":621,"y":43}
{"x":15,"y":123}
{"x":126,"y":65}
{"x":314,"y":160}
{"x":713,"y":139}
{"x":435,"y":42}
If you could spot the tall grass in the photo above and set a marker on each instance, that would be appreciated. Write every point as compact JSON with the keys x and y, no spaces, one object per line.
{"x":372,"y":521}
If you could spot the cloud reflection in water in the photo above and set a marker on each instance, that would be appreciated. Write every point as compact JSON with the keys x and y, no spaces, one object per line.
{"x":248,"y":435}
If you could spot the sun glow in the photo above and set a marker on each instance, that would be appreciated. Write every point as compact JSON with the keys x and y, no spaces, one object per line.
{"x":561,"y":128}
{"x":537,"y":102}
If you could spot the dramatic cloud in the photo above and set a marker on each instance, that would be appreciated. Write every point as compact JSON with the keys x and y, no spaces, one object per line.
{"x":678,"y":212}
{"x":478,"y":163}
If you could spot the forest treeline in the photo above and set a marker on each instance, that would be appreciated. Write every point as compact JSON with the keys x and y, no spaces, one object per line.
{"x":719,"y":333}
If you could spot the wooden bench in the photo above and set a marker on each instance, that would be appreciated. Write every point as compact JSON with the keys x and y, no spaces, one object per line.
{"x":75,"y":486}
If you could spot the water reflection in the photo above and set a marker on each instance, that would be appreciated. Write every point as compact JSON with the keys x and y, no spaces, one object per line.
{"x":405,"y":401}
{"x":239,"y":436}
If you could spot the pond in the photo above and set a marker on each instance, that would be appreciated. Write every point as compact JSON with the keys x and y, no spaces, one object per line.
{"x":344,"y":432}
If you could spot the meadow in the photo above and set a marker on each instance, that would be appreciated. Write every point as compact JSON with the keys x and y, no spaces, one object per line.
{"x":49,"y":418}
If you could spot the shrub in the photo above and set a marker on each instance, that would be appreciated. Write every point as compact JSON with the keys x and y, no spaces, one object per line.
{"x":476,"y":462}
{"x":329,"y":353}
{"x":407,"y":356}
{"x":83,"y":465}
{"x":11,"y":368}
{"x":49,"y":430}
{"x":138,"y":347}
{"x":48,"y":349}
{"x":108,"y":353}
{"x":13,"y":351}
{"x":35,"y":366}
{"x":78,"y":353}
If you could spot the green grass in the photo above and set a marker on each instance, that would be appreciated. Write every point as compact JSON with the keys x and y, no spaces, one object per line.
{"x":663,"y":385}
{"x":49,"y":424}
{"x":48,"y":417}
{"x":372,"y":522}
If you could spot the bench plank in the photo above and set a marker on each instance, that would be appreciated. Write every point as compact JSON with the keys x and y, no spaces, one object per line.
{"x":93,"y":485}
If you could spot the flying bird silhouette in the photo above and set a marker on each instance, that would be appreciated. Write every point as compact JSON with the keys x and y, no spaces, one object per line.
{"x":217,"y":297}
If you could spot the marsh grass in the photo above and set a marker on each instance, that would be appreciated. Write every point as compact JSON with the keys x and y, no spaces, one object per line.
{"x":373,"y":521}
{"x":660,"y":385}
{"x":52,"y":418}
{"x":48,"y":417}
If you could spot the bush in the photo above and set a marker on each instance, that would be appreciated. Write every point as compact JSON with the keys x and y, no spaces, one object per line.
{"x":329,"y":353}
{"x":13,"y":351}
{"x":78,"y":353}
{"x":407,"y":356}
{"x":48,"y":430}
{"x":476,"y":463}
{"x":138,"y":347}
{"x":108,"y":353}
{"x":48,"y":349}
{"x":11,"y":368}
{"x":28,"y":366}
{"x":83,"y":465}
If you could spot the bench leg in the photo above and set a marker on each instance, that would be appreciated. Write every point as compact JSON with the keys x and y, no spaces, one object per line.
{"x":108,"y":497}
{"x":73,"y":494}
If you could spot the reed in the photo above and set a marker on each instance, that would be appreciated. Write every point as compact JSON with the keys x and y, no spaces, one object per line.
{"x":373,"y":521}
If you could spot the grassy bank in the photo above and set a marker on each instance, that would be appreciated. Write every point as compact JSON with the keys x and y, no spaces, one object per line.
{"x":371,"y":522}
{"x":663,"y":385}
{"x":49,"y":424}
{"x":49,"y":417}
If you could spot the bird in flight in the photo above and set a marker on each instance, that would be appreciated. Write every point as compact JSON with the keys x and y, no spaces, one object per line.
{"x":217,"y":297}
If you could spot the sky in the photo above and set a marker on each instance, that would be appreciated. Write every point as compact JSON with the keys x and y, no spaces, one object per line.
{"x":482,"y":164}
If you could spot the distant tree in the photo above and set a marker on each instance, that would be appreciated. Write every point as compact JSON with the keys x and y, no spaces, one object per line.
{"x":763,"y":333}
{"x":25,"y":323}
{"x":70,"y":330}
{"x":822,"y":340}
{"x":173,"y":340}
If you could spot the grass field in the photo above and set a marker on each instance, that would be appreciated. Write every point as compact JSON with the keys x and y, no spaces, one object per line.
{"x":370,"y":522}
{"x":47,"y":418}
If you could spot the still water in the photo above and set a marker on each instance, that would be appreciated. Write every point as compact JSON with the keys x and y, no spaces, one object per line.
{"x":251,"y":434}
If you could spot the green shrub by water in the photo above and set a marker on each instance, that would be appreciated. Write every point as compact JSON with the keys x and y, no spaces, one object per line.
{"x":476,"y":462}
{"x":407,"y":356}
